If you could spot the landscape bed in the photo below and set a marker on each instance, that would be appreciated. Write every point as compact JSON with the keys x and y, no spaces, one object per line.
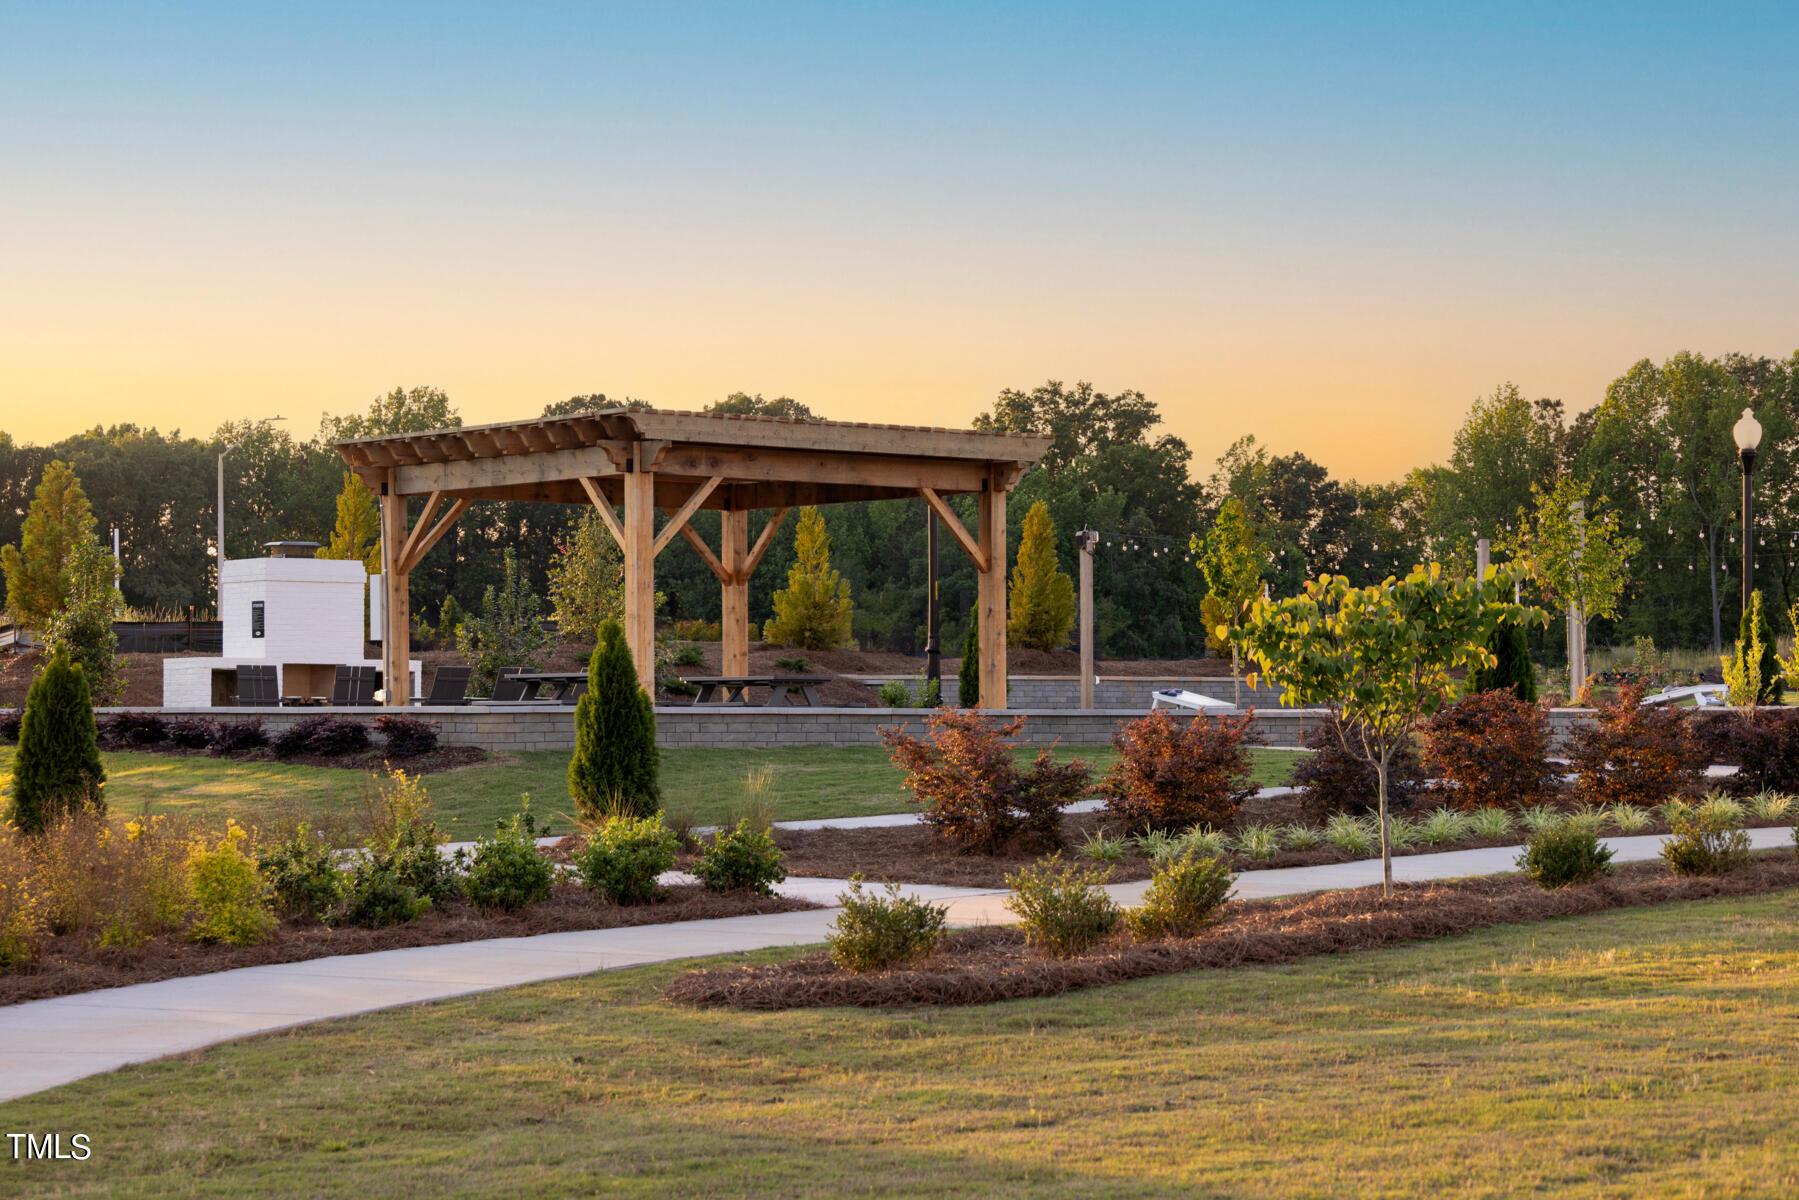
{"x":70,"y":963}
{"x":988,"y":964}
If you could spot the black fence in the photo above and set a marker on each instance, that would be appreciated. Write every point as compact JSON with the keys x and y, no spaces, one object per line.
{"x":170,"y":637}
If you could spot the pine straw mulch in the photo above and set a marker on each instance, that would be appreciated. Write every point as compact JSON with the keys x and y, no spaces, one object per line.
{"x":990,"y":963}
{"x":70,"y":964}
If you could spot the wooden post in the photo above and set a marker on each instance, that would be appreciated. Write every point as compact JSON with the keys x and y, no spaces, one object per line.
{"x":1084,"y":541}
{"x":396,"y":600}
{"x":640,"y":568}
{"x":991,"y":593}
{"x":734,"y":612}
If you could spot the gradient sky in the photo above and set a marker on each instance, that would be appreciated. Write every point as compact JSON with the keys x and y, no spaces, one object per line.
{"x":1331,"y":226}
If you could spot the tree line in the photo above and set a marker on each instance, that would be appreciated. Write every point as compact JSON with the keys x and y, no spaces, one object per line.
{"x":1655,"y":455}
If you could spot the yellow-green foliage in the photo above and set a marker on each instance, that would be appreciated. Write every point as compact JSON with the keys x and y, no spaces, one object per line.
{"x":22,"y":919}
{"x":119,"y":888}
{"x":230,"y":899}
{"x":813,"y":612}
{"x":1042,"y":598}
{"x":37,"y":585}
{"x":358,"y":525}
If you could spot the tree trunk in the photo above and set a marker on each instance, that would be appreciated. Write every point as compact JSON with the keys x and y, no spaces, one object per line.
{"x":1236,"y":688}
{"x":1386,"y":850}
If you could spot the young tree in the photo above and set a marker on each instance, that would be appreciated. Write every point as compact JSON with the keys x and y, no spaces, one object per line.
{"x":1752,"y":668}
{"x":1231,"y":560}
{"x":615,"y":762}
{"x":508,"y":633}
{"x":57,"y":767}
{"x":1382,"y":656}
{"x":37,"y":581}
{"x":587,"y":579}
{"x":814,"y":611}
{"x":1041,"y":607}
{"x":358,"y":526}
{"x":82,"y":630}
{"x":968,"y":676}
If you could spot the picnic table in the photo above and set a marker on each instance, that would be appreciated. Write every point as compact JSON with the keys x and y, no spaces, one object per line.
{"x":734,"y":689}
{"x":565,"y":687}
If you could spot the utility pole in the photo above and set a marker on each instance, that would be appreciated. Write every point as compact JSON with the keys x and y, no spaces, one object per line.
{"x":1085,"y":540}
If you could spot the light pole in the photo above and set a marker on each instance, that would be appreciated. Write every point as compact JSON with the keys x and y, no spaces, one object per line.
{"x":218,"y":599}
{"x":1748,"y":434}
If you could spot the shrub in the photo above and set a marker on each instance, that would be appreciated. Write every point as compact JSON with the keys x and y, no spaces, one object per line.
{"x":797,"y":664}
{"x":1171,"y":774}
{"x":1635,"y":755}
{"x":1100,"y":848}
{"x":323,"y":735}
{"x":302,"y":875}
{"x":1063,"y":909}
{"x":1260,"y":841}
{"x":375,"y":897}
{"x":230,"y":901}
{"x":1185,"y":895}
{"x":404,"y":839}
{"x":57,"y":766}
{"x":238,"y":737}
{"x":508,"y":633}
{"x":120,"y":887}
{"x":128,"y":729}
{"x":968,"y":674}
{"x":193,"y":733}
{"x":1752,"y":669}
{"x":1352,"y":835}
{"x":10,"y":719}
{"x":1337,"y":777}
{"x":695,"y":630}
{"x":690,"y":656}
{"x":623,"y":857}
{"x":1705,"y":841}
{"x":1564,"y":853}
{"x":1763,"y":743}
{"x":972,"y":788}
{"x":895,"y":694}
{"x":506,"y":872}
{"x":875,"y":932}
{"x":1512,"y":670}
{"x":674,"y":685}
{"x":615,"y":760}
{"x":23,"y":923}
{"x":406,"y":737}
{"x":1302,"y":837}
{"x":1491,"y":748}
{"x":741,"y":857}
{"x":1490,"y":822}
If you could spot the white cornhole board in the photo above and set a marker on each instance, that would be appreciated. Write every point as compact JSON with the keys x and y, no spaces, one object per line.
{"x":1190,"y":701}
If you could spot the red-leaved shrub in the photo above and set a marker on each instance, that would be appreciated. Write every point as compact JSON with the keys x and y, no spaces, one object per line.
{"x":972,"y":788}
{"x":1338,"y":776}
{"x":406,"y":737}
{"x":1491,"y":748}
{"x":1635,"y":755}
{"x":1171,"y":774}
{"x":1762,"y":743}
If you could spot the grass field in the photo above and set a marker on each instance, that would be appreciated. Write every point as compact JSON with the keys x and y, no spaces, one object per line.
{"x":1644,"y":1052}
{"x":811,"y":781}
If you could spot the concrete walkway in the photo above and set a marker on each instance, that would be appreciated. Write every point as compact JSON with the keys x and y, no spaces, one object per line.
{"x":46,"y":1043}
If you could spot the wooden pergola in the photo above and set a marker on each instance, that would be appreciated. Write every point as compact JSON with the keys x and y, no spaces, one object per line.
{"x":647,"y":461}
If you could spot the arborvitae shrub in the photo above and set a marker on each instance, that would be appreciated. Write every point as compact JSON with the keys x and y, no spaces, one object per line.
{"x":406,"y":737}
{"x":239,"y":737}
{"x":127,"y":730}
{"x":1063,"y":909}
{"x":968,"y":676}
{"x":1040,"y":610}
{"x":1631,"y":754}
{"x":57,"y":767}
{"x":1753,"y":659}
{"x":1337,"y":777}
{"x":1563,"y":853}
{"x":1491,"y":748}
{"x":615,"y":763}
{"x":1510,"y":645}
{"x":972,"y":788}
{"x":1176,"y":773}
{"x":878,"y":932}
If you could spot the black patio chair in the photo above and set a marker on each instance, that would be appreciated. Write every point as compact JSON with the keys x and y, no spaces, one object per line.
{"x":505,"y":687}
{"x":363,"y":682}
{"x":449,"y":686}
{"x":341,"y":686}
{"x":257,"y":688}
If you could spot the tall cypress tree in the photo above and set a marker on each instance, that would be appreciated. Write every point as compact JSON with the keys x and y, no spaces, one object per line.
{"x":615,"y":762}
{"x":968,"y":678}
{"x":1041,"y":609}
{"x":1510,"y":645}
{"x":57,"y":768}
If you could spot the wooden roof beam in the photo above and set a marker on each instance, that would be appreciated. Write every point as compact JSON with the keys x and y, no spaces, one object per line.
{"x":956,"y":529}
{"x":679,"y":521}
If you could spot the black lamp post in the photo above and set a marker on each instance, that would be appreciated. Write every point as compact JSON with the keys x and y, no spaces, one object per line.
{"x":1748,"y":434}
{"x":933,"y":656}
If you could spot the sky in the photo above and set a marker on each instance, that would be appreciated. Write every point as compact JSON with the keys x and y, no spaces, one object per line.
{"x":1330,"y":226}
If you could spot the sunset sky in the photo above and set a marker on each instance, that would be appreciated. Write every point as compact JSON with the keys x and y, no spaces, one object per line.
{"x":1331,"y":226}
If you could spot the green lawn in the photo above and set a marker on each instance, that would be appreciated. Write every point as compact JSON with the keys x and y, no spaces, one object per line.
{"x":811,"y":781}
{"x":1644,"y":1052}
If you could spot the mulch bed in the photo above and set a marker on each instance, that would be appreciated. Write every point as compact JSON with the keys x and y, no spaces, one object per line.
{"x":70,"y":964}
{"x":983,"y":965}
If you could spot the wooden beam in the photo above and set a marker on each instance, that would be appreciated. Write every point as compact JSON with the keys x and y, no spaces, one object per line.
{"x":640,"y":574}
{"x":604,"y":507}
{"x":678,"y":522}
{"x":407,"y":556}
{"x":956,"y":529}
{"x":734,"y":605}
{"x":991,"y":594}
{"x":414,"y":557}
{"x":762,"y":543}
{"x":396,"y":614}
{"x":706,"y":556}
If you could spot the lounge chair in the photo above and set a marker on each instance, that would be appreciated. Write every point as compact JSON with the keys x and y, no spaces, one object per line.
{"x":448,"y":687}
{"x":505,"y":687}
{"x":257,"y":688}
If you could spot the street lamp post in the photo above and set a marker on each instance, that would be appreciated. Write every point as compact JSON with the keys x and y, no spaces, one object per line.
{"x":219,"y":509}
{"x":1748,"y":434}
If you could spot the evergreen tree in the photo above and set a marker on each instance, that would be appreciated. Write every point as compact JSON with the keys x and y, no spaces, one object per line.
{"x":615,"y":762}
{"x":813,"y":612}
{"x":449,"y":620}
{"x":358,"y":526}
{"x":57,"y":766}
{"x":1752,"y":669}
{"x":1041,"y":606}
{"x":37,"y":585}
{"x":82,"y":630}
{"x":968,"y":678}
{"x":1510,"y":645}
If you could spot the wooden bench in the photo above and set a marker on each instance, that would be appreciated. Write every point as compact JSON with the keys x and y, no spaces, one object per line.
{"x":734,"y":689}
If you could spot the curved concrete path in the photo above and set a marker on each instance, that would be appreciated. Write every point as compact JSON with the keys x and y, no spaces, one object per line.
{"x":46,"y":1043}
